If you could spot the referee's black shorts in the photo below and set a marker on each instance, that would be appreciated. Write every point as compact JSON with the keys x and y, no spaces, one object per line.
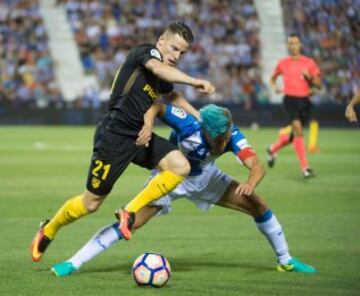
{"x":112,"y":154}
{"x":297,"y":108}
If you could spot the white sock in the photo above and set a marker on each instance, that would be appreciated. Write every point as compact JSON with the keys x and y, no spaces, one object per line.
{"x":100,"y":242}
{"x":271,"y":228}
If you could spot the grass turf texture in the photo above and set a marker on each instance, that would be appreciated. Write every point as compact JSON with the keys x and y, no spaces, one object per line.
{"x":218,"y":253}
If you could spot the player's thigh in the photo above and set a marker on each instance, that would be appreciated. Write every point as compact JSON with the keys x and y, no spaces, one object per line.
{"x":293,"y":110}
{"x":162,"y":154}
{"x":112,"y":154}
{"x":290,"y":108}
{"x":252,"y":205}
{"x":306,"y":112}
{"x":92,"y":201}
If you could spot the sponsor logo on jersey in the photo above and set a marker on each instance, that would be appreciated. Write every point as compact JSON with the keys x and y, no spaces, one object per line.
{"x":178,"y":112}
{"x":156,"y":54}
{"x":151,"y":92}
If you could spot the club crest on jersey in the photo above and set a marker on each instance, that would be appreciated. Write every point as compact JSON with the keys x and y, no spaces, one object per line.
{"x":202,"y":151}
{"x":178,"y":112}
{"x":95,"y":183}
{"x":156,"y":54}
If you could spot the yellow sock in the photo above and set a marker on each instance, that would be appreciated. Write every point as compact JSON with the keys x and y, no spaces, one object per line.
{"x":313,"y":135}
{"x":71,"y":210}
{"x":159,"y":186}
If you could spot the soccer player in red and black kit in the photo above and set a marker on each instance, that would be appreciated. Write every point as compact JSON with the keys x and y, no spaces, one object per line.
{"x":300,"y":74}
{"x":124,"y":136}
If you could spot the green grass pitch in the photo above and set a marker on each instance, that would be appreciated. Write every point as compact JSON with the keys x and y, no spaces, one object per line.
{"x":215,"y":253}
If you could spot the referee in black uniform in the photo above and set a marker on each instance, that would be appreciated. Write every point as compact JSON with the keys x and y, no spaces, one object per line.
{"x":123,"y":136}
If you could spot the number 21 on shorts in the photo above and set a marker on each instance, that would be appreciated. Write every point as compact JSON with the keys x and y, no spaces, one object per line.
{"x":101,"y":169}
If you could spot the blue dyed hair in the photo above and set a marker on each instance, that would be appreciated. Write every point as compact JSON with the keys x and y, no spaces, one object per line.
{"x":215,"y":120}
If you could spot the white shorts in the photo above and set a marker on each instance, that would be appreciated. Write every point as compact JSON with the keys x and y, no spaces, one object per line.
{"x":203,"y":190}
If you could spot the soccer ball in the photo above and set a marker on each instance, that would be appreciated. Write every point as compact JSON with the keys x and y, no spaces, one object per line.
{"x":151,"y":269}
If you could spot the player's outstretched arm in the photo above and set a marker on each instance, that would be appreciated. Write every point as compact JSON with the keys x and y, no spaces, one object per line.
{"x":173,"y":75}
{"x":350,"y":113}
{"x":177,"y":99}
{"x":256,"y":174}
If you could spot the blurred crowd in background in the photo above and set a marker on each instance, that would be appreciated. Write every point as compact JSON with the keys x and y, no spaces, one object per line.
{"x":26,"y":66}
{"x":330,"y":33}
{"x":226,"y":49}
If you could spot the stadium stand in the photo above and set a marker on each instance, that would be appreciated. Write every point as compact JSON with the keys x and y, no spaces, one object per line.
{"x":226,"y":48}
{"x":330,"y":33}
{"x":26,"y":66}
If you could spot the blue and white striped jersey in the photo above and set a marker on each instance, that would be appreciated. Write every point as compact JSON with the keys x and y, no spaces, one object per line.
{"x":187,"y":134}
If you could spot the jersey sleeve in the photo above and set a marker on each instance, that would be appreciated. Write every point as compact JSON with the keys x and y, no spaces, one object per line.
{"x":145,"y":53}
{"x":179,"y":120}
{"x":278,"y":70}
{"x":240,"y":146}
{"x":314,"y":69}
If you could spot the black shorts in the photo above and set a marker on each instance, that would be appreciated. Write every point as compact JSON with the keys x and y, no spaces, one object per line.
{"x":112,"y":153}
{"x":298,"y":108}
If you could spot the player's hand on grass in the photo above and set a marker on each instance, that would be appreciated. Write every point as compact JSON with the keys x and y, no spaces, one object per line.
{"x":144,"y":135}
{"x":244,"y":189}
{"x":351,"y":114}
{"x":204,"y":86}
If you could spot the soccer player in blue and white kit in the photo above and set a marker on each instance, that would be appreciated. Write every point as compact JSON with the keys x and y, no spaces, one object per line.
{"x":202,"y":141}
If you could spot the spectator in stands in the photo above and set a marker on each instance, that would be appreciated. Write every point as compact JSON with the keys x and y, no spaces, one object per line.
{"x":26,"y":67}
{"x":227,"y":30}
{"x":330,"y":32}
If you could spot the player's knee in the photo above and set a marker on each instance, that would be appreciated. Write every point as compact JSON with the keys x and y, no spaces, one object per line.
{"x":92,"y":202}
{"x":260,"y":210}
{"x":298,"y":133}
{"x":176,"y":163}
{"x":259,"y":206}
{"x":92,"y":207}
{"x":182,"y":167}
{"x":297,"y":129}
